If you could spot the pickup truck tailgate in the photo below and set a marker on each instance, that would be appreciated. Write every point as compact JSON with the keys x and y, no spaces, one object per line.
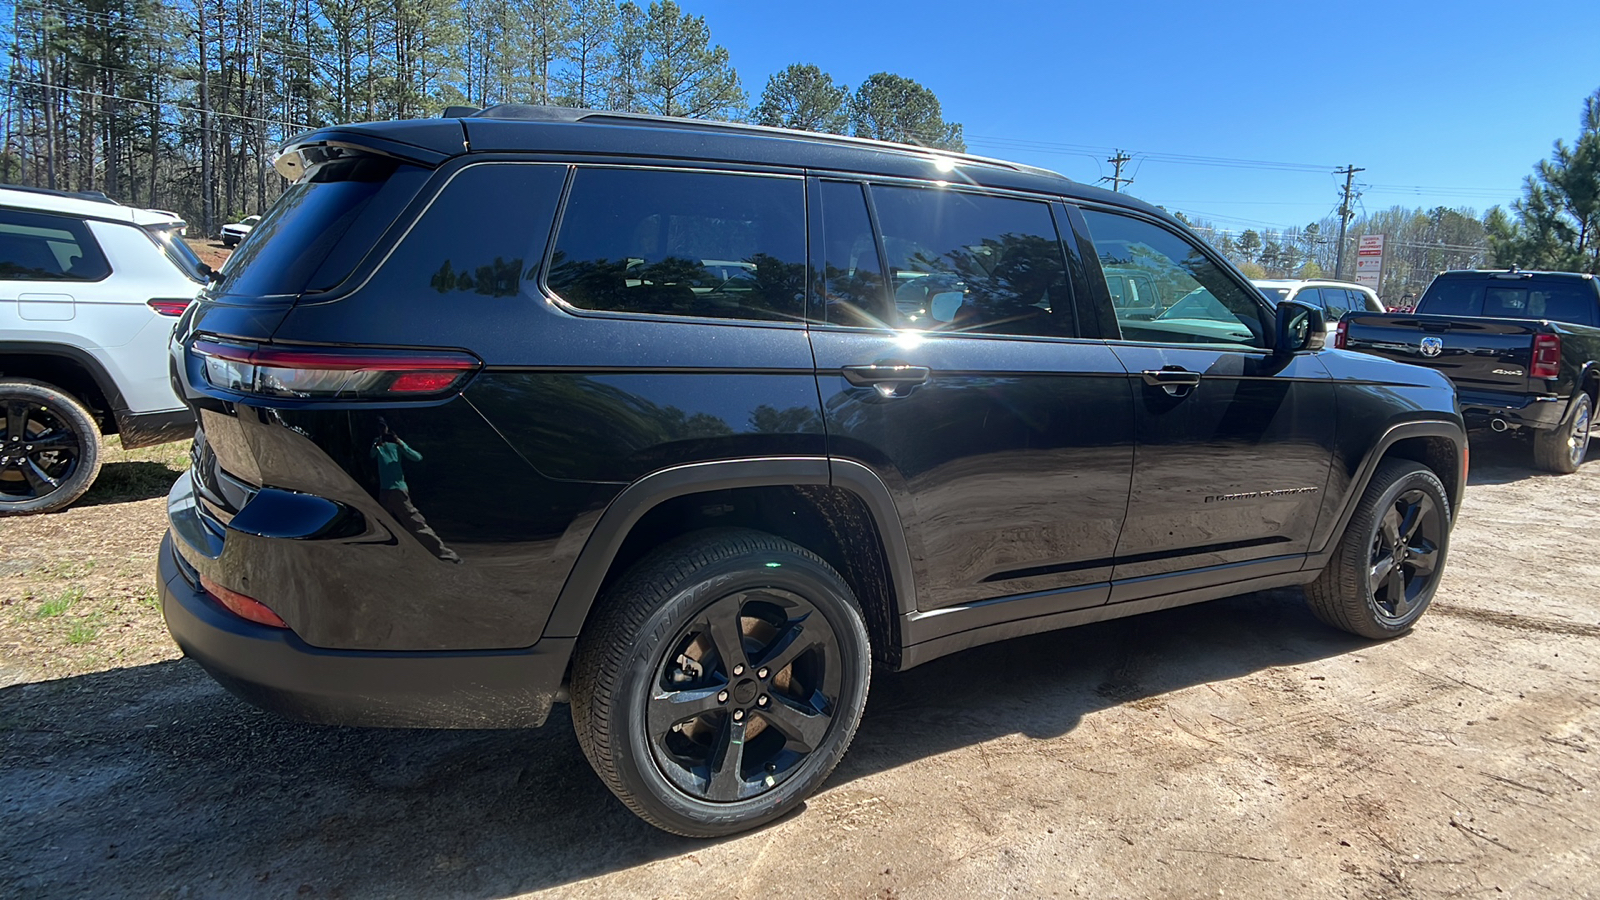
{"x":1477,"y":354}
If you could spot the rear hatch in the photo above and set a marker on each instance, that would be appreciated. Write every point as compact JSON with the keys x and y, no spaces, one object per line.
{"x":313,"y":239}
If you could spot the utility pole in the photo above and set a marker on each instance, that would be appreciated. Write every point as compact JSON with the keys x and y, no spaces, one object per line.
{"x":1349,"y":173}
{"x":1120,"y":160}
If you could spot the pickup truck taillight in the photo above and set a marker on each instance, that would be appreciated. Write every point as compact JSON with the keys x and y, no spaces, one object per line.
{"x":1546,"y":356}
{"x":1341,"y":335}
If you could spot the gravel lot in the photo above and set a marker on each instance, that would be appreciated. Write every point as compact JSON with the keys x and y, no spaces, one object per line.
{"x":1234,"y":748}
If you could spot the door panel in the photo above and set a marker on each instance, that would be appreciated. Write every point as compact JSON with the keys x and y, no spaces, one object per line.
{"x":1233,"y":444}
{"x":1009,"y":464}
{"x":1230,"y":470}
{"x":1006,"y":443}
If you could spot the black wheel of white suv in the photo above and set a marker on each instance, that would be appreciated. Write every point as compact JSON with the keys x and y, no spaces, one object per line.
{"x":720,"y":681}
{"x":49,"y":448}
{"x":1387,"y":565}
{"x":1562,"y":449}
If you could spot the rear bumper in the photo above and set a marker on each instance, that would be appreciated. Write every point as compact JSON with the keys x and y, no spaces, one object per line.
{"x":275,"y":670}
{"x":1481,"y":408}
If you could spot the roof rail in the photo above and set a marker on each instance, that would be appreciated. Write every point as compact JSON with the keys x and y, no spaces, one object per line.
{"x":527,"y":112}
{"x":96,"y":196}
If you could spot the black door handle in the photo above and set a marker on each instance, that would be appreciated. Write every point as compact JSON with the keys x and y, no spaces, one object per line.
{"x":1171,"y":377}
{"x":893,"y":374}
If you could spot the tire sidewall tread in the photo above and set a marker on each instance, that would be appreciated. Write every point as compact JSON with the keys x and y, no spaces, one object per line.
{"x":1340,"y":595}
{"x":618,"y":652}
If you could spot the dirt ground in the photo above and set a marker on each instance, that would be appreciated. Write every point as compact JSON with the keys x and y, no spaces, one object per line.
{"x":1237,"y":748}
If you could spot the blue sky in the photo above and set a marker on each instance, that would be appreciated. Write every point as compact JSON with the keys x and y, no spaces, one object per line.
{"x":1442,"y":103}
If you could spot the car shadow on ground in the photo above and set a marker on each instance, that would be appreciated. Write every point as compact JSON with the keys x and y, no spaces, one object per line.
{"x":153,"y":781}
{"x":124,"y":482}
{"x":1504,"y":458}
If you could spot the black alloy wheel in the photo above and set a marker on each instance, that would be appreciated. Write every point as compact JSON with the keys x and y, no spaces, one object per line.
{"x":719,"y":681}
{"x":49,"y":448}
{"x":744,"y":695}
{"x":1405,"y":554}
{"x":1386,"y":566}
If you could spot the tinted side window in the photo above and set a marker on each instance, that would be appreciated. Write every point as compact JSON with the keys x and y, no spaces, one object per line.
{"x":965,"y":262}
{"x":683,"y":243}
{"x":1338,"y":301}
{"x":852,"y":287}
{"x":1210,"y":307}
{"x":320,"y":228}
{"x":1308,"y":296}
{"x":40,"y":247}
{"x":482,"y":236}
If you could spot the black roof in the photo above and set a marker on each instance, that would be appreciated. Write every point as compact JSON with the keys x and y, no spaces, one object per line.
{"x":564,"y":132}
{"x":1511,"y":273}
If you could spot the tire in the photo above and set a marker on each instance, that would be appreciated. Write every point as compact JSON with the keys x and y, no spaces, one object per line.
{"x":49,"y":448}
{"x":1357,"y":592}
{"x":664,"y":688}
{"x":1561,"y":449}
{"x":229,"y":243}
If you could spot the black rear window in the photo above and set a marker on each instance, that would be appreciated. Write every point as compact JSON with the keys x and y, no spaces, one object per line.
{"x":319,"y":230}
{"x":1561,"y":300}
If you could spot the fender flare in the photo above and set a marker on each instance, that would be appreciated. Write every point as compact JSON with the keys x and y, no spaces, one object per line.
{"x":83,"y":358}
{"x":1400,"y":431}
{"x":588,"y":572}
{"x":1589,"y":370}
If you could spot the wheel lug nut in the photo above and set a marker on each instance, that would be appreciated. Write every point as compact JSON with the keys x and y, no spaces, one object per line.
{"x":762,"y":701}
{"x":722,"y":697}
{"x":738,"y":670}
{"x":738,"y":715}
{"x":762,"y":673}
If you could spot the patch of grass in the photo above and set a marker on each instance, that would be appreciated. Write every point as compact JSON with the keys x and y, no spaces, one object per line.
{"x":68,"y":569}
{"x":62,"y":602}
{"x":83,"y":631}
{"x":150,"y":598}
{"x":137,"y":474}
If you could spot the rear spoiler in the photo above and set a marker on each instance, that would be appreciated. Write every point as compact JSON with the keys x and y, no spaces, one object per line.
{"x":427,"y":143}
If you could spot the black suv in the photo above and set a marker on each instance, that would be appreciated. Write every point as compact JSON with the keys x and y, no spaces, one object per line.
{"x":692,"y":423}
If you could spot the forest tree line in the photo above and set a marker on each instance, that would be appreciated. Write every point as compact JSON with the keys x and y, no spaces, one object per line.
{"x":181,"y":104}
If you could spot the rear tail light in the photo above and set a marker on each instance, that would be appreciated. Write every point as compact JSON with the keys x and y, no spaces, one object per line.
{"x":1341,"y":335}
{"x":166,"y":307}
{"x":1546,"y":356}
{"x":332,"y":372}
{"x":242,"y":606}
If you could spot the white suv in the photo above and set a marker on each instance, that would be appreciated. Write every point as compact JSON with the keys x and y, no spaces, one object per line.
{"x":1334,"y":298}
{"x":89,"y":292}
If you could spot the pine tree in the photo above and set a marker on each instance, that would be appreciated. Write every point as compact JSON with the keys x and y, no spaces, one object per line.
{"x":890,"y":107}
{"x":680,"y":72}
{"x":805,"y":98}
{"x":1557,"y":224}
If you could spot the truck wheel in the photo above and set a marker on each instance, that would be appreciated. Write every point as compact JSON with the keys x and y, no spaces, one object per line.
{"x":720,"y":681}
{"x":1561,"y":449}
{"x":49,"y":448}
{"x":1386,"y":567}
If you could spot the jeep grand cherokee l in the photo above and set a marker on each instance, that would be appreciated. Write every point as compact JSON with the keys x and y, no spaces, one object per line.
{"x":693,"y":423}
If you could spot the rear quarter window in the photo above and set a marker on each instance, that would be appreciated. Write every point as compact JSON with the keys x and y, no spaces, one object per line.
{"x":319,"y":230}
{"x":704,"y":244}
{"x":42,"y":247}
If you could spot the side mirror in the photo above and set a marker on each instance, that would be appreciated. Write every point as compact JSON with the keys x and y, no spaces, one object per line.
{"x":1301,"y":328}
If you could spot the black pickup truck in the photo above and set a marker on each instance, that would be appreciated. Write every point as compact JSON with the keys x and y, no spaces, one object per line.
{"x":1523,"y":349}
